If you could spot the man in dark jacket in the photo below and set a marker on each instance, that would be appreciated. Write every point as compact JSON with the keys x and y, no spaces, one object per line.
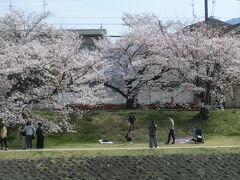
{"x":40,"y":136}
{"x":131,"y":121}
{"x":153,"y":135}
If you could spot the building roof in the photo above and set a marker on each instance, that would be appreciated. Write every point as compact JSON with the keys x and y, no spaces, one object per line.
{"x":215,"y":23}
{"x":219,"y":25}
{"x":236,"y":29}
{"x":89,"y":31}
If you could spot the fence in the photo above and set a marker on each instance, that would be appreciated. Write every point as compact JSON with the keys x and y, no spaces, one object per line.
{"x":111,"y":107}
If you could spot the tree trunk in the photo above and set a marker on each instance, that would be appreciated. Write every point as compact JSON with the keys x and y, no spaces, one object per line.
{"x":208,"y":98}
{"x":130,"y":103}
{"x":208,"y":94}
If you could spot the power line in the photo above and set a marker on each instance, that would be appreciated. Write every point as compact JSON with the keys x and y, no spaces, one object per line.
{"x":22,"y":2}
{"x":87,"y":17}
{"x":32,"y":1}
{"x":99,"y":17}
{"x":92,"y":24}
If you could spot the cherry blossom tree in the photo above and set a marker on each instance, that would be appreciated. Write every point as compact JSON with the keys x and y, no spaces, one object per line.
{"x":202,"y":59}
{"x":136,"y":58}
{"x":43,"y":65}
{"x":208,"y":60}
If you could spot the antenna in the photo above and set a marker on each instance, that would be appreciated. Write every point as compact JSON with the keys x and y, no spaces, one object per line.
{"x":193,"y":10}
{"x":10,"y":6}
{"x":44,"y":8}
{"x":213,"y":7}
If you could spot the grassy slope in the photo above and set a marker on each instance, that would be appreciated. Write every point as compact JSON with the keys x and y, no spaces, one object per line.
{"x":113,"y":126}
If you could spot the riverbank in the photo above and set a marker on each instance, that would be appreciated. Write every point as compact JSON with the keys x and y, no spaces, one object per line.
{"x":174,"y":166}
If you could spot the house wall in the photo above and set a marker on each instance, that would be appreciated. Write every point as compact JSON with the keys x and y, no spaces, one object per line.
{"x":232,"y":97}
{"x":149,"y":96}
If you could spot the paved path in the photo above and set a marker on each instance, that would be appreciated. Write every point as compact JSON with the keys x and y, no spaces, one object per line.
{"x":132,"y":148}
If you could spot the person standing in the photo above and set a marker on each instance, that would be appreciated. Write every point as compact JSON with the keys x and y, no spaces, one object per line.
{"x":22,"y":135}
{"x":40,"y":136}
{"x":131,"y":121}
{"x":153,"y":135}
{"x":171,"y":132}
{"x":129,"y":136}
{"x":4,"y":137}
{"x":30,"y":131}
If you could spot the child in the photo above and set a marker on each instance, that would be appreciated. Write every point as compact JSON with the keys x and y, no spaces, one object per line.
{"x":128,"y":136}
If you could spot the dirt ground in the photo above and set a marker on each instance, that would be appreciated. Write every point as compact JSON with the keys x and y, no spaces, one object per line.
{"x":222,"y":166}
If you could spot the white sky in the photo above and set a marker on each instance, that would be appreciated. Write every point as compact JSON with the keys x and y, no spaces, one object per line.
{"x":92,"y":13}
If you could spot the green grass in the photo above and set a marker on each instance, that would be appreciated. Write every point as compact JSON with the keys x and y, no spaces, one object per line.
{"x":223,"y":127}
{"x":113,"y":125}
{"x":211,"y":141}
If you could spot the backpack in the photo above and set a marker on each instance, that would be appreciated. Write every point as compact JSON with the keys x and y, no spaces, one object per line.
{"x":23,"y":133}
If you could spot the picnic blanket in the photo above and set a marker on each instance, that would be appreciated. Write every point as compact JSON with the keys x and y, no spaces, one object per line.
{"x":184,"y":140}
{"x":104,"y":141}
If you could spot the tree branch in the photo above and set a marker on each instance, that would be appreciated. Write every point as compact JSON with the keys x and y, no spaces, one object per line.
{"x":115,"y":89}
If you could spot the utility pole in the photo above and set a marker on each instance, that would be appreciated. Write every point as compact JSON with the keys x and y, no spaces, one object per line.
{"x":206,"y":10}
